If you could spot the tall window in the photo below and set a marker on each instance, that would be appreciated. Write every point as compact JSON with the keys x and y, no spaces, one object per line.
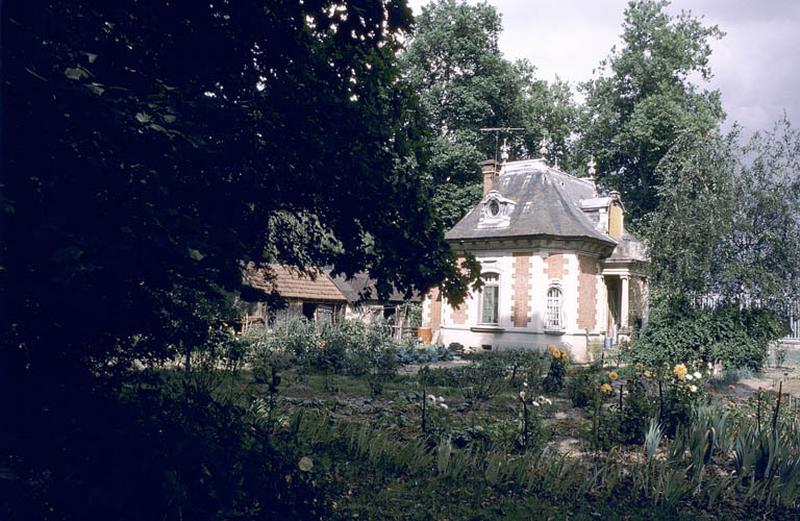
{"x":553,"y":317}
{"x":489,"y":298}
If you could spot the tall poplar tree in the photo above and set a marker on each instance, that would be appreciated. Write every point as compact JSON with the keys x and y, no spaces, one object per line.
{"x":646,"y":97}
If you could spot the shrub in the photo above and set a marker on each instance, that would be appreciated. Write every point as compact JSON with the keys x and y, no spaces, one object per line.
{"x":737,"y":338}
{"x":554,"y":381}
{"x":581,"y":388}
{"x":638,"y":409}
{"x":484,"y":379}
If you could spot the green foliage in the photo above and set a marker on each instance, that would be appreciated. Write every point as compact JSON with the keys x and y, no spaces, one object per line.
{"x":176,"y":441}
{"x":646,"y":97}
{"x":161,"y":177}
{"x":554,"y":380}
{"x":638,"y":409}
{"x":726,"y":231}
{"x":464,"y":84}
{"x":346,"y":347}
{"x":581,"y":388}
{"x":736,"y":338}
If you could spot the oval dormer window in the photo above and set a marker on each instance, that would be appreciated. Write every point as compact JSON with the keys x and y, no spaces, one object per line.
{"x":494,"y":208}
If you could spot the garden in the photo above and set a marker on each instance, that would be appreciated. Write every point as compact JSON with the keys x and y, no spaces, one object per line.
{"x":375,"y":429}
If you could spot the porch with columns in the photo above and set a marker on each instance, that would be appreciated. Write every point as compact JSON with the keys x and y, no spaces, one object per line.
{"x":622,"y":306}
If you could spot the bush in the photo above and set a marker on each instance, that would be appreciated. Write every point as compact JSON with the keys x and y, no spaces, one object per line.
{"x":581,"y":388}
{"x":554,"y":381}
{"x":637,"y":410}
{"x":737,"y":338}
{"x":349,"y":347}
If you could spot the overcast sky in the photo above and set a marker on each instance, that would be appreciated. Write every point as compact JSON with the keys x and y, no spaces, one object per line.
{"x":756,"y":65}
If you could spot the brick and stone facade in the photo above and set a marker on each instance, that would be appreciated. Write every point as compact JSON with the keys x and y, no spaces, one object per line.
{"x":554,"y":274}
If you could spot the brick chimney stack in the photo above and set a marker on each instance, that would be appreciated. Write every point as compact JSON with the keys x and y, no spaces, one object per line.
{"x":490,"y":172}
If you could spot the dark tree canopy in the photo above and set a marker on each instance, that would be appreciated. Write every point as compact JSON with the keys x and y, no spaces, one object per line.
{"x":150,"y":148}
{"x":645,"y":98}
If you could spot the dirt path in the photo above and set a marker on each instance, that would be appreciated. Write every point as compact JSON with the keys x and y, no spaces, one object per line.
{"x":769,"y":380}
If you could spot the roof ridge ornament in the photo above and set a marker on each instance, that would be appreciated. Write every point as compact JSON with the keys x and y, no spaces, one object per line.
{"x":544,"y":147}
{"x":504,"y":151}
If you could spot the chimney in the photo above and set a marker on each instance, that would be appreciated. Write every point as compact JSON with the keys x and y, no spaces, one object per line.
{"x":490,"y":173}
{"x":616,"y":216}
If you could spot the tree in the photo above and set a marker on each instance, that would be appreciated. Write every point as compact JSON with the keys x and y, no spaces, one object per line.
{"x":645,"y":99}
{"x":150,"y":149}
{"x":464,"y":84}
{"x":723,"y":248}
{"x":147,"y":147}
{"x":728,"y":222}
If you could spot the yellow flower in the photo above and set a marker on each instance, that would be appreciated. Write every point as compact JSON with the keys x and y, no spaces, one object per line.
{"x":554,"y":352}
{"x":564,"y":356}
{"x":680,"y":372}
{"x":648,"y":374}
{"x":639,"y":366}
{"x":613,"y":376}
{"x":605,"y":389}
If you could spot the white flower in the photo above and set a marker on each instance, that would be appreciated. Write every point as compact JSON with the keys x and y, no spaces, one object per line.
{"x":432,"y":398}
{"x":443,"y":406}
{"x":522,"y":394}
{"x":548,"y":401}
{"x":689,"y":377}
{"x":524,"y":384}
{"x":305,"y":464}
{"x":534,"y":403}
{"x":710,"y":366}
{"x":693,"y":388}
{"x":697,"y":375}
{"x":441,"y":399}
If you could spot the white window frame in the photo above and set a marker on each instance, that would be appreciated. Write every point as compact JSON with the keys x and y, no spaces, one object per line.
{"x":493,"y":283}
{"x":554,"y":309}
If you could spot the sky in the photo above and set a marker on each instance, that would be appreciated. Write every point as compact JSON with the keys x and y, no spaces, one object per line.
{"x":756,"y":65}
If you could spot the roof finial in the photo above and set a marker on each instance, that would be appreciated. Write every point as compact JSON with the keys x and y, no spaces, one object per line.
{"x":592,"y":167}
{"x":504,"y":151}
{"x":543,"y":147}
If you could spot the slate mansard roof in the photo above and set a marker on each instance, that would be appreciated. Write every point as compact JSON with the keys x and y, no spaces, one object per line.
{"x":540,"y":201}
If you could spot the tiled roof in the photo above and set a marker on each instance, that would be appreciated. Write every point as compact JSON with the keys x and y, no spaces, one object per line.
{"x":292,"y":284}
{"x":361,"y":288}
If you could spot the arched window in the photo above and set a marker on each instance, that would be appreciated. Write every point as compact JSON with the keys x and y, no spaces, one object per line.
{"x":553,"y":318}
{"x":489,"y":298}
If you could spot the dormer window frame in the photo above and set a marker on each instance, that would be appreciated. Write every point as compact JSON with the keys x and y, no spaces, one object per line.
{"x":496,"y":211}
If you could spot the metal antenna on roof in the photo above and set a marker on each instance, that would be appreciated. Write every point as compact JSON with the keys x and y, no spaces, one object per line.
{"x":497,"y":131}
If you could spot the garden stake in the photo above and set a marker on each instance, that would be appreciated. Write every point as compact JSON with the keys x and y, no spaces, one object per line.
{"x":423,"y":377}
{"x":524,"y":423}
{"x":777,"y":410}
{"x":758,"y":411}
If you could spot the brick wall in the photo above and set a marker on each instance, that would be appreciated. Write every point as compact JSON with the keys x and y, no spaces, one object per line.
{"x":520,"y":305}
{"x":556,"y":265}
{"x":587,"y":292}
